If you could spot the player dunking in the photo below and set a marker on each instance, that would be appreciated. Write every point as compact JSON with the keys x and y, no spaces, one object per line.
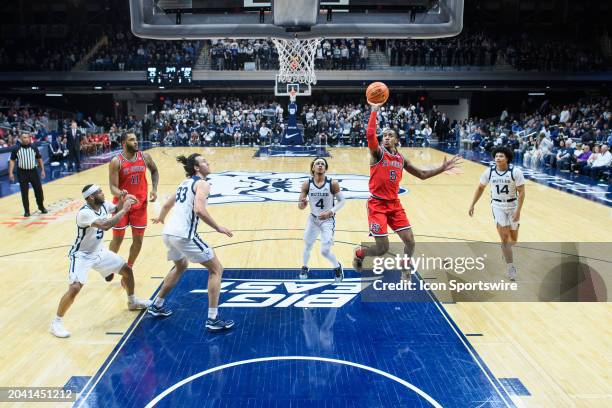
{"x":88,"y":252}
{"x":507,"y":198}
{"x":128,"y":173}
{"x":320,"y":192}
{"x":384,"y":206}
{"x":184,"y":245}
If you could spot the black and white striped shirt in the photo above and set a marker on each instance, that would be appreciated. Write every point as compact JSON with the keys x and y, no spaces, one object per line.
{"x":26,"y":156}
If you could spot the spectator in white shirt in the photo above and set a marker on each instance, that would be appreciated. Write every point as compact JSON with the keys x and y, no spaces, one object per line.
{"x":565,"y":115}
{"x":600,"y":163}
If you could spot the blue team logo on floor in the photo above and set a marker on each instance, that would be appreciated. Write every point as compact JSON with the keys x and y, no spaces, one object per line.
{"x":291,"y":151}
{"x":252,"y":187}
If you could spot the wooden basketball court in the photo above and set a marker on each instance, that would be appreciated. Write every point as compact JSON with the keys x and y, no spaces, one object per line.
{"x":560,"y":351}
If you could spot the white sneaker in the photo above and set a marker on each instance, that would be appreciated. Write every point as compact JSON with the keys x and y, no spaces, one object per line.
{"x":57,"y":329}
{"x":512,"y":273}
{"x":138,"y":304}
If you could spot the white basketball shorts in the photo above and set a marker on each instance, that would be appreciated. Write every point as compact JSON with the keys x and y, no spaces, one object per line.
{"x":103,"y":261}
{"x":194,"y":249}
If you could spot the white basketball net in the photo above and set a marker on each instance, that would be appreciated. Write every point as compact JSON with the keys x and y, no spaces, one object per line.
{"x":296,"y":59}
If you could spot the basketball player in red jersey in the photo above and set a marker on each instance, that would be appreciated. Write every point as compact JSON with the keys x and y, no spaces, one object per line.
{"x":384,"y":207}
{"x":128,"y":173}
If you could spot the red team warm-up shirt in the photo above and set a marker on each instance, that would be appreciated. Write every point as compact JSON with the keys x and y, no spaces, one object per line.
{"x":133,"y":178}
{"x":386,"y":175}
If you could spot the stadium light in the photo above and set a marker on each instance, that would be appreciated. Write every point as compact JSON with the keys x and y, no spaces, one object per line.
{"x":54,"y":94}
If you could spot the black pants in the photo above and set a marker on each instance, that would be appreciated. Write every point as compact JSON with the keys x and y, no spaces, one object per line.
{"x":27,"y":177}
{"x":74,"y":158}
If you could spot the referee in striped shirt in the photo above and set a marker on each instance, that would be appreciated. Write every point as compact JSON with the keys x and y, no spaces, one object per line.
{"x":27,"y":156}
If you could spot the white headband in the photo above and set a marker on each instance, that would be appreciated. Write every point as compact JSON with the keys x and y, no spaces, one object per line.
{"x":90,"y":191}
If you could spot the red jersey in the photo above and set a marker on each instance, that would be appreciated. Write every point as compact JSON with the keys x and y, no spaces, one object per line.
{"x":385,"y":176}
{"x":133,"y":178}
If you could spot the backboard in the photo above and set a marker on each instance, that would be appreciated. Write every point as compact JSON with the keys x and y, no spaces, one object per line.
{"x":202,"y":19}
{"x":284,"y":88}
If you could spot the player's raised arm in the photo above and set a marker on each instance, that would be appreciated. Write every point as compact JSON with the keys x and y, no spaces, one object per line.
{"x":164,"y":210}
{"x":423,"y":174}
{"x":303,"y":201}
{"x":154,"y":175}
{"x":113,"y":177}
{"x":201,"y":198}
{"x":109,"y":223}
{"x":375,"y":151}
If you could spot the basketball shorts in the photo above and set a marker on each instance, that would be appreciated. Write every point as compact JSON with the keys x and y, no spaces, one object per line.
{"x":503,"y":217}
{"x":135,"y":218}
{"x":104,"y":261}
{"x":194,"y":249}
{"x":315,"y":226}
{"x":386,"y":213}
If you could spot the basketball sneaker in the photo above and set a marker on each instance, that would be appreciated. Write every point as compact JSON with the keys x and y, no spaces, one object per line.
{"x":138,"y":304}
{"x":217,"y":324}
{"x":512,"y":272}
{"x":158,"y":311}
{"x":304,"y":272}
{"x":358,"y":259}
{"x":338,"y":274}
{"x":57,"y":329}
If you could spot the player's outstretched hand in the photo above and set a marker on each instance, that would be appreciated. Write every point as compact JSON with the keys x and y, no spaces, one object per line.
{"x":157,"y":220}
{"x":325,"y":215}
{"x":455,"y":161}
{"x":471,"y":211}
{"x":375,"y":106}
{"x":225,"y":231}
{"x":152,"y":196}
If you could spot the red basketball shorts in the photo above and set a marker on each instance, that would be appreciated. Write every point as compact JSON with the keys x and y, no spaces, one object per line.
{"x":383,"y":213}
{"x":136,"y":218}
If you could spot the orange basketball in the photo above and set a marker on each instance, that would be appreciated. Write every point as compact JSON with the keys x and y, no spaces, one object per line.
{"x":377,"y":92}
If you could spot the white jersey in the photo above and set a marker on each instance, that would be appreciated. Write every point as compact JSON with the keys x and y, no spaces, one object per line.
{"x":321,"y":199}
{"x":183,"y":222}
{"x":89,"y":239}
{"x":503,"y":185}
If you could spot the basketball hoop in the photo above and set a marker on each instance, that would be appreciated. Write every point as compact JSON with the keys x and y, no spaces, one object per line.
{"x":296,"y":59}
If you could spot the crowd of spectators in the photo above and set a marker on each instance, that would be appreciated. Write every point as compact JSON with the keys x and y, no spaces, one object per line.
{"x":48,"y":55}
{"x":47,"y":125}
{"x":254,"y":54}
{"x":572,"y":137}
{"x":122,"y":51}
{"x":518,"y":52}
{"x":247,"y":121}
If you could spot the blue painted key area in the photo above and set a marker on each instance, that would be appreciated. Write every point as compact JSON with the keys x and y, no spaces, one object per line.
{"x":310,"y":343}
